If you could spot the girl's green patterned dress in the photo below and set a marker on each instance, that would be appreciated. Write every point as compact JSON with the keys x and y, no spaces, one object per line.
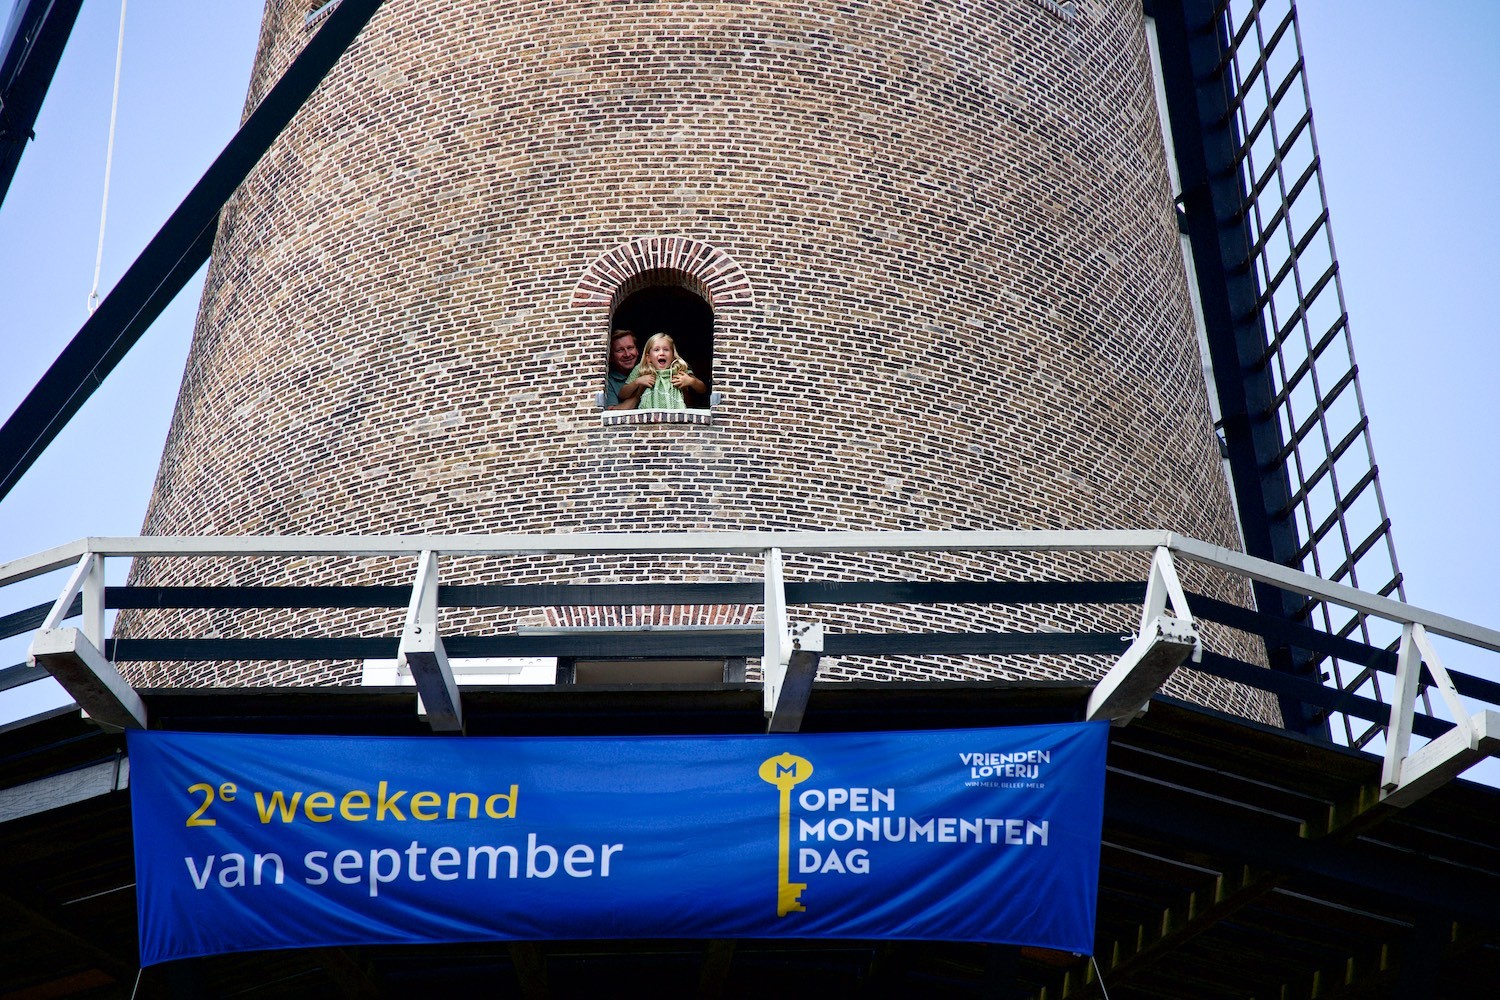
{"x":663,"y":395}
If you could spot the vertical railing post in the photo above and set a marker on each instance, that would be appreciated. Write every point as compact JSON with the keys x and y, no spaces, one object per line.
{"x":421,"y":651}
{"x":1161,"y":645}
{"x":1406,"y":776}
{"x":777,"y":647}
{"x":1403,"y":708}
{"x":75,"y":656}
{"x":93,"y":600}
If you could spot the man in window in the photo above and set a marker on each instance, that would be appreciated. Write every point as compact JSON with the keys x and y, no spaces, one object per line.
{"x":623,"y":354}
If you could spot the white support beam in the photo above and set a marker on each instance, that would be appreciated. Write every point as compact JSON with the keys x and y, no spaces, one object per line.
{"x":73,"y":655}
{"x":1446,"y":757}
{"x":87,"y":579}
{"x":776,"y":651}
{"x":1162,"y":646}
{"x":797,"y":682}
{"x":422,"y":652}
{"x":1403,"y":707}
{"x":1164,"y":590}
{"x":1408,"y":775}
{"x":90,"y":678}
{"x":1164,"y":643}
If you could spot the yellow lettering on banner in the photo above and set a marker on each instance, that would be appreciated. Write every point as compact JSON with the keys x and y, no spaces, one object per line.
{"x":384,"y":804}
{"x":277,"y":805}
{"x":424,"y":806}
{"x":510,"y":805}
{"x":225,"y":793}
{"x":321,"y":801}
{"x":356,"y":804}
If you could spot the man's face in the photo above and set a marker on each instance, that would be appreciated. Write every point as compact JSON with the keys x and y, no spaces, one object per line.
{"x":623,"y":354}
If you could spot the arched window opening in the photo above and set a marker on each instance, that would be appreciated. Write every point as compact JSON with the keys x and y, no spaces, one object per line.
{"x":659,"y":302}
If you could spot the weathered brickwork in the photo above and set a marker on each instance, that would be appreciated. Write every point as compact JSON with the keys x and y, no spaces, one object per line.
{"x":938,"y":239}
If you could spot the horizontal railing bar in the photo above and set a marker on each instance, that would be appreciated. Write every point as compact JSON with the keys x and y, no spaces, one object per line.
{"x":993,"y":643}
{"x":1280,"y":631}
{"x":251,"y":649}
{"x":1297,"y":582}
{"x":47,"y":561}
{"x":808,"y":593}
{"x":587,"y":543}
{"x":755,"y":542}
{"x":615,"y":645}
{"x":964,"y":592}
{"x":804,"y":593}
{"x":705,"y":632}
{"x":620,"y":595}
{"x":1329,"y":698}
{"x":1284,"y":685}
{"x":586,"y":595}
{"x":301,"y":598}
{"x":30,"y":619}
{"x":20,"y":674}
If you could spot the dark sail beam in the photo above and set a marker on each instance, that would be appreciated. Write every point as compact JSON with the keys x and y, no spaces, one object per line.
{"x":172,"y":257}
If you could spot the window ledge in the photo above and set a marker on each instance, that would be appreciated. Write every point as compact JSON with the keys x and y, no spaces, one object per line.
{"x":617,"y":417}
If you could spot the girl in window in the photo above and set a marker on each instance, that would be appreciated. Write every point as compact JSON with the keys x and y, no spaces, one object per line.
{"x":661,"y":376}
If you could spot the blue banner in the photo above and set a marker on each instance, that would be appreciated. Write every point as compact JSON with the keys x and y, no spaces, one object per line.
{"x":258,"y":842}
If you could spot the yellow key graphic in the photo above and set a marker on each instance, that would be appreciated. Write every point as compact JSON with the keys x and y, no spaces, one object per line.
{"x":784,"y":771}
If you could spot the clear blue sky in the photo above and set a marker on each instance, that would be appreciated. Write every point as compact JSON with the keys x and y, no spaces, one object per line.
{"x":1405,"y":100}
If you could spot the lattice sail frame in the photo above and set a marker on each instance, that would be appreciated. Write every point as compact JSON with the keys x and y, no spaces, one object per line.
{"x":1337,"y":504}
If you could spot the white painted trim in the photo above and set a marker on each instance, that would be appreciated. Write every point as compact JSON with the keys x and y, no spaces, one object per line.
{"x":468,"y":670}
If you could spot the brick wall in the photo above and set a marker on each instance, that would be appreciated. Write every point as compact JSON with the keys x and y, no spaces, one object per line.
{"x":957,"y":299}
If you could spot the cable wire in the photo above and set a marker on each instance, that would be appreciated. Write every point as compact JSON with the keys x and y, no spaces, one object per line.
{"x":1099,"y":976}
{"x":109,"y":157}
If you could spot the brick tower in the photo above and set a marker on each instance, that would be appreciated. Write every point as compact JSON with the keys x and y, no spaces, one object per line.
{"x":924,"y":255}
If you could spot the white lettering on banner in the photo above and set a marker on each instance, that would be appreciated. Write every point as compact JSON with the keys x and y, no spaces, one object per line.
{"x":232,"y":870}
{"x":1025,"y":764}
{"x":998,"y":759}
{"x":415,"y":863}
{"x":848,"y":799}
{"x":938,"y":830}
{"x":856,"y":862}
{"x":1006,"y":771}
{"x":975,"y":830}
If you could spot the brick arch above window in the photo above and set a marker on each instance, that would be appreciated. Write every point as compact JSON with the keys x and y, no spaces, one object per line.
{"x":712,"y":273}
